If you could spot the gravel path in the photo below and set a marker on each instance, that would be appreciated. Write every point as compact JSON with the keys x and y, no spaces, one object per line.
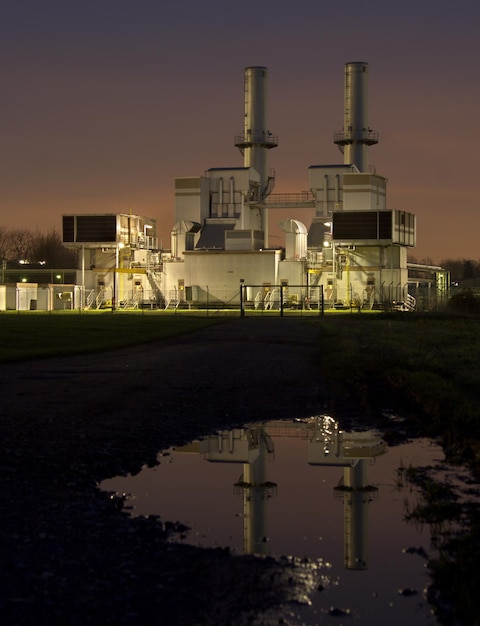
{"x":69,"y":553}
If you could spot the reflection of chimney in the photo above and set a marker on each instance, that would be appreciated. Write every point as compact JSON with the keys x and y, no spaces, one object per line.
{"x":256,"y":491}
{"x":333,"y":447}
{"x":356,"y":494}
{"x":250,"y":447}
{"x":327,"y":446}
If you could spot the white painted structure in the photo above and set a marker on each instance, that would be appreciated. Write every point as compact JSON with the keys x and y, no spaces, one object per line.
{"x":221,"y":234}
{"x":21,"y":296}
{"x":355,"y":247}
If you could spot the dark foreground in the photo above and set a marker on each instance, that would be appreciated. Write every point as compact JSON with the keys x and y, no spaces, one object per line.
{"x":69,"y":554}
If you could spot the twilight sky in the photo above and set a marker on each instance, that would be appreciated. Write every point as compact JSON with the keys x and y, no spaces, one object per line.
{"x":105,"y":102}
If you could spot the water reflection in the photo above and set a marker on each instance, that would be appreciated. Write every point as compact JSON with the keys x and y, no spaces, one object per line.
{"x":327,"y":446}
{"x":305,"y":489}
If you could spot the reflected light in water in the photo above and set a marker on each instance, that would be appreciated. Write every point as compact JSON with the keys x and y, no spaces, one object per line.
{"x":305,"y":489}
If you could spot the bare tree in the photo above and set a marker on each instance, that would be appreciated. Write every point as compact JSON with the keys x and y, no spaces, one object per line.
{"x":19,"y":245}
{"x":22,"y":245}
{"x":462,"y":269}
{"x":5,"y":245}
{"x":49,"y":250}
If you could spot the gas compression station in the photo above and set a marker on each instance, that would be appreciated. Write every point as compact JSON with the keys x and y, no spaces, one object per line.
{"x":352,"y":253}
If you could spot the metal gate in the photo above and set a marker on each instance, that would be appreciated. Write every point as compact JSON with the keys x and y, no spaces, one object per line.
{"x":281,"y":300}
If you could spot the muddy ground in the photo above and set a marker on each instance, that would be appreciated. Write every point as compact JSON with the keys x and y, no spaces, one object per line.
{"x":69,"y":553}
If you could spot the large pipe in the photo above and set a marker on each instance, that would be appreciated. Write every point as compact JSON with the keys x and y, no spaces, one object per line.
{"x":220,"y":197}
{"x":356,"y":136}
{"x":257,"y":139}
{"x":231,"y":205}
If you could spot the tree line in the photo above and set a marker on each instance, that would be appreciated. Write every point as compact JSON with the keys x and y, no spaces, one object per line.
{"x":22,"y":246}
{"x":460,"y":269}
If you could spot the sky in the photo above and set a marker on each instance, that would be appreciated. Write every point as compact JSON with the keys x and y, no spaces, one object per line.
{"x":103,"y":103}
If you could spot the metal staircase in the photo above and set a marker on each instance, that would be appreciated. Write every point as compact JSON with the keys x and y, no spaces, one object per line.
{"x":272,"y":299}
{"x":173,"y":301}
{"x":95,"y":300}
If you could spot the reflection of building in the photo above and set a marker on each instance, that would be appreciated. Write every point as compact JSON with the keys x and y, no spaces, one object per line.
{"x":354,"y":248}
{"x":327,"y":446}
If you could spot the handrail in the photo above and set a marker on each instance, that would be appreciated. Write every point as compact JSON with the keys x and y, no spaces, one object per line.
{"x":303,"y":196}
{"x":258,"y":137}
{"x":347,"y":136}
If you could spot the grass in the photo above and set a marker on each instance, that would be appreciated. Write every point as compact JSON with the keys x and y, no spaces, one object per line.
{"x":455,"y":536}
{"x":33,"y":335}
{"x":426,"y":367}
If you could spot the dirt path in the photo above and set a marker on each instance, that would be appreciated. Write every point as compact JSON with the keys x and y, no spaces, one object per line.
{"x":69,"y":555}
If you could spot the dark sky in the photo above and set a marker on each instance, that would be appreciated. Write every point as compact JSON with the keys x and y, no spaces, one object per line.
{"x":104,"y":102}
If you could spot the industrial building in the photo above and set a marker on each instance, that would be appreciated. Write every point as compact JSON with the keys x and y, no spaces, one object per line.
{"x":352,"y":253}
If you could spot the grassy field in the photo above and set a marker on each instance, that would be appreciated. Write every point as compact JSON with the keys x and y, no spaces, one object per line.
{"x":40,"y":335}
{"x":427,"y":367}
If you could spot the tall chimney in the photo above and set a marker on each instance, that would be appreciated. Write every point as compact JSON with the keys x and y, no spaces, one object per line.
{"x":257,"y":139}
{"x":356,"y":136}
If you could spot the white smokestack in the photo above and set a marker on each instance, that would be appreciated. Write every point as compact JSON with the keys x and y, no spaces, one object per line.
{"x":356,"y":135}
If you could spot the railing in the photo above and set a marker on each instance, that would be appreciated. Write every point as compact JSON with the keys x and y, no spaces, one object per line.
{"x":291,"y":299}
{"x":272,"y":299}
{"x":139,"y":241}
{"x":290,"y":198}
{"x":259,"y":137}
{"x":411,"y":302}
{"x":133,"y":300}
{"x":90,"y":299}
{"x":368,"y":136}
{"x":100,"y":299}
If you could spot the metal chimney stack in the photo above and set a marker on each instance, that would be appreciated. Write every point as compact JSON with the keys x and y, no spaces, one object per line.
{"x":257,"y":139}
{"x":356,"y":136}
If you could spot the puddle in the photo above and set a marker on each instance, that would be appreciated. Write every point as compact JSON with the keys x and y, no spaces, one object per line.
{"x":303,"y":489}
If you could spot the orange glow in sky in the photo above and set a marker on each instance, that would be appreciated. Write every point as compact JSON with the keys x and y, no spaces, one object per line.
{"x":104,"y":104}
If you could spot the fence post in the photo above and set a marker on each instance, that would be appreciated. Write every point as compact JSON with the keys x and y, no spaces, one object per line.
{"x":322,"y":308}
{"x":281,"y":300}
{"x":242,"y":310}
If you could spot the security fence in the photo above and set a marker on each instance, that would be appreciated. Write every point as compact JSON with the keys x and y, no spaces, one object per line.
{"x":282,"y":299}
{"x":244,"y":299}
